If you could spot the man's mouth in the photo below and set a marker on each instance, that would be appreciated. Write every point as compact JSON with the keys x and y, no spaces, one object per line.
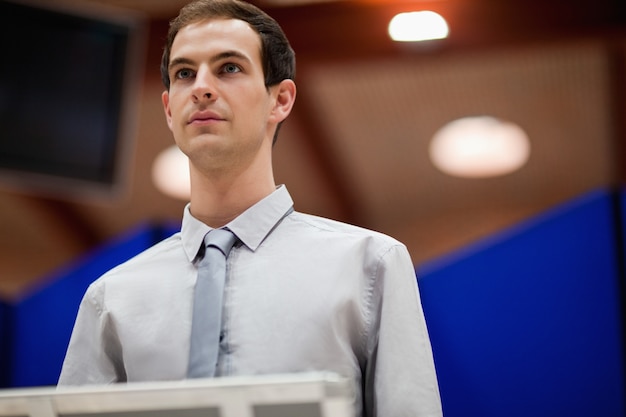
{"x":204,"y":117}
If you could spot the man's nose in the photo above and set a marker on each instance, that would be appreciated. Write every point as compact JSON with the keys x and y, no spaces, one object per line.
{"x":204,"y":86}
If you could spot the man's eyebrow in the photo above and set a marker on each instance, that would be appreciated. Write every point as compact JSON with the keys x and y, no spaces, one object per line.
{"x":221,"y":56}
{"x":229,"y":54}
{"x":179,"y":61}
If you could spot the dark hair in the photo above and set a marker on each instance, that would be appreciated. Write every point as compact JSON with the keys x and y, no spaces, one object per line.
{"x":277,"y":56}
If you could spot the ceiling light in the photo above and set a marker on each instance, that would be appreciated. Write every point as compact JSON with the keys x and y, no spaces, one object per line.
{"x":417,"y":26}
{"x":479,"y":147}
{"x":170,"y":173}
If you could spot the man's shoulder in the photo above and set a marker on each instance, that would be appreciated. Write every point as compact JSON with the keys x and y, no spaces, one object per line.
{"x":341,"y":229}
{"x":149,"y":260}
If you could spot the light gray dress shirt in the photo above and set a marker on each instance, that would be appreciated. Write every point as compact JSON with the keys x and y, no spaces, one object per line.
{"x":303,"y":294}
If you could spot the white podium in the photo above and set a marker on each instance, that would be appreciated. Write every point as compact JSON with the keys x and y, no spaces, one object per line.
{"x":297,"y":395}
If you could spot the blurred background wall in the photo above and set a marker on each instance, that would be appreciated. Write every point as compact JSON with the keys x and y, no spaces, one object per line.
{"x":356,"y":148}
{"x":356,"y":145}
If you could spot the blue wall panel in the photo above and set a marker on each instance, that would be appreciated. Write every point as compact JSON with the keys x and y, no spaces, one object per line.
{"x":5,"y":344}
{"x":528,"y":322}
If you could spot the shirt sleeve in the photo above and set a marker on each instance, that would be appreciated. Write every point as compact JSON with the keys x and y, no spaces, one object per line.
{"x":400,"y":375}
{"x":94,"y":353}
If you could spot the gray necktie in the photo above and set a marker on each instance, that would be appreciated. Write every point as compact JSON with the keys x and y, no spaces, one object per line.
{"x":207,"y":304}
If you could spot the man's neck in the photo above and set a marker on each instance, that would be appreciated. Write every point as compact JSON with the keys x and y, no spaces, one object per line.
{"x":216,"y":202}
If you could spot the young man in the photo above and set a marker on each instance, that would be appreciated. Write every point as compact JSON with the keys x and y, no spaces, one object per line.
{"x":301,"y":293}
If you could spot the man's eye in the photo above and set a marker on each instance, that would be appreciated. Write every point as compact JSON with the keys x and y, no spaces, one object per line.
{"x":231,"y":68}
{"x":183,"y":73}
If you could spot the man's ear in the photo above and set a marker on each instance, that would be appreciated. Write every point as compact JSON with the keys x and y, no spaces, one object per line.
{"x":285,"y":93}
{"x":165,"y":98}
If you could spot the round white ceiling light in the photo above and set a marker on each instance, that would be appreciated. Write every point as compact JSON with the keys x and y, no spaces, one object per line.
{"x":418,"y":26}
{"x":479,"y":147}
{"x":170,"y":173}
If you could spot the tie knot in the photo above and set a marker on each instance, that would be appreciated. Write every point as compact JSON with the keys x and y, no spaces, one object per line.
{"x":223,"y":239}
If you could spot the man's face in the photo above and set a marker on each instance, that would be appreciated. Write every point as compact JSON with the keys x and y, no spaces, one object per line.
{"x":218,"y":107}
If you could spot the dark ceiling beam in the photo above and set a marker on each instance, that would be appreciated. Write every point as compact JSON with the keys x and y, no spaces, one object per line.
{"x":73,"y":228}
{"x":618,"y":115}
{"x":351,"y":29}
{"x":346,"y":30}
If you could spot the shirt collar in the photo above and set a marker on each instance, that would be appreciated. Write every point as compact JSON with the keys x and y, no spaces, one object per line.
{"x":251,"y":227}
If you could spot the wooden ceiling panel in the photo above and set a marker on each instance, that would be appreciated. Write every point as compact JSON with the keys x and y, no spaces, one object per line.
{"x":297,"y":166}
{"x":379,"y":117}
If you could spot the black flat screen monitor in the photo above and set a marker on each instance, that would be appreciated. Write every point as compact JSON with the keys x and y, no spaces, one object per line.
{"x":69,"y":77}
